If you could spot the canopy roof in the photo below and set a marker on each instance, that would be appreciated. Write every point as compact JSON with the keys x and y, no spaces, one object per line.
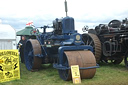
{"x":25,"y":31}
{"x":7,"y":32}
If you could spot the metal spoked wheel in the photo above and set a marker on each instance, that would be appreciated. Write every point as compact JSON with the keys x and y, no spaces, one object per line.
{"x":93,"y":40}
{"x":126,"y":60}
{"x":32,"y":48}
{"x":81,"y":58}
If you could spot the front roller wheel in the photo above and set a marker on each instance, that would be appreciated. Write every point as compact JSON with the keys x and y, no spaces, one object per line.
{"x":32,"y":48}
{"x":81,"y":58}
{"x":65,"y":74}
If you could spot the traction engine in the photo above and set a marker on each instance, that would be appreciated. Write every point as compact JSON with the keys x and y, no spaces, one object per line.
{"x":109,"y":41}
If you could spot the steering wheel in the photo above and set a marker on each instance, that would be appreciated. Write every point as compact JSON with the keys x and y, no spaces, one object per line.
{"x":85,"y":28}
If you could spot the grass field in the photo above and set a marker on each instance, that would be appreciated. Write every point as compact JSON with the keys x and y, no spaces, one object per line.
{"x":107,"y":74}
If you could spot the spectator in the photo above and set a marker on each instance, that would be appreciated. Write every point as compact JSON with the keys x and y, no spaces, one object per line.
{"x":21,"y":45}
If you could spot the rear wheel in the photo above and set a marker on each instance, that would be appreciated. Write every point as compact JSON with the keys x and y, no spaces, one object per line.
{"x":93,"y":40}
{"x":32,"y":50}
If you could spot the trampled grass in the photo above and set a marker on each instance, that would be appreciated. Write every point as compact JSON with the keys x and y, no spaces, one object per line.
{"x":107,"y":74}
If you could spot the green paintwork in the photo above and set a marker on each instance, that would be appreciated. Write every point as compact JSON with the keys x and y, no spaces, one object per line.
{"x":25,"y":31}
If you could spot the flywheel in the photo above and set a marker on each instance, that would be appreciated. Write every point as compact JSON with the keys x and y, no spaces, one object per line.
{"x":93,"y":40}
{"x":32,"y":49}
{"x":83,"y":59}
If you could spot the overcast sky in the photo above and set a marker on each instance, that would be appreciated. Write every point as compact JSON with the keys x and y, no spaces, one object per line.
{"x":42,"y":12}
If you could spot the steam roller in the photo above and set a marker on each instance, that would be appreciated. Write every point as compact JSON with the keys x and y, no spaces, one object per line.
{"x":62,"y":47}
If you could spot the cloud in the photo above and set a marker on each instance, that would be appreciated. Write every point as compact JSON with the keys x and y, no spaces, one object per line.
{"x":42,"y":12}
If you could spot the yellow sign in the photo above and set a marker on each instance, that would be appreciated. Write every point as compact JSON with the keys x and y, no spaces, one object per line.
{"x":75,"y":74}
{"x":9,"y":65}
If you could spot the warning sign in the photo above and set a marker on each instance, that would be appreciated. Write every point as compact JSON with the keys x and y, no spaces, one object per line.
{"x":9,"y":65}
{"x":75,"y":74}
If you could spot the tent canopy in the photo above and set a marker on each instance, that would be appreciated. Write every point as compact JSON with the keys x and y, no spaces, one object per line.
{"x":7,"y":32}
{"x":25,"y":31}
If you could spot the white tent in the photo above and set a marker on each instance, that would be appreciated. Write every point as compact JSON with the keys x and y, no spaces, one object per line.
{"x":7,"y":37}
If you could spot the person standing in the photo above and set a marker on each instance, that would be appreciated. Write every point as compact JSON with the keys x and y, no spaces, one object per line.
{"x":21,"y":46}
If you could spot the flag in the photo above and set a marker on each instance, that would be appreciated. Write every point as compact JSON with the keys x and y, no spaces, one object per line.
{"x":29,"y":24}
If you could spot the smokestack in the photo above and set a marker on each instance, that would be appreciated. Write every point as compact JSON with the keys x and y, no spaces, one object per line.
{"x":66,"y":8}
